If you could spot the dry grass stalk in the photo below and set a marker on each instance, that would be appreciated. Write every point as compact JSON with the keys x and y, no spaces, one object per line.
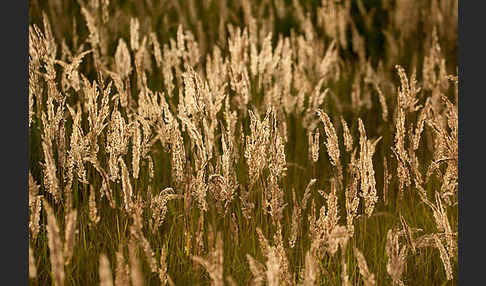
{"x":138,"y":236}
{"x":106,"y":278}
{"x":444,"y":257}
{"x":93,"y":211}
{"x":214,"y":263}
{"x":368,"y":277}
{"x":32,"y":267}
{"x":384,"y":108}
{"x":135,"y":267}
{"x":122,"y":268}
{"x":311,"y":270}
{"x":296,"y":221}
{"x":408,"y":234}
{"x":273,"y":267}
{"x":396,"y":256}
{"x":55,"y":247}
{"x":70,"y":233}
{"x":386,"y":180}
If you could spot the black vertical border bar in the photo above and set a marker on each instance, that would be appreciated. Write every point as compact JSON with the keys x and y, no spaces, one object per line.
{"x":14,"y":111}
{"x":472,"y":171}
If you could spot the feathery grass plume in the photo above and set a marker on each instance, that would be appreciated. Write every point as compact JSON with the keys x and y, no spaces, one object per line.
{"x":256,"y":145}
{"x":70,"y":75}
{"x":93,"y":211}
{"x":50,"y":177}
{"x":381,"y":97}
{"x":126,"y":187}
{"x":434,"y":63}
{"x":123,"y":61}
{"x":426,"y":240}
{"x":171,"y":61}
{"x":106,"y":278}
{"x":442,"y":223}
{"x":396,"y":256}
{"x":94,"y":33}
{"x":35,"y":206}
{"x":344,"y":266}
{"x":156,"y":49}
{"x":158,"y":205}
{"x":217,"y":188}
{"x":368,"y":277}
{"x":199,"y":187}
{"x":285,"y":271}
{"x":228,"y":158}
{"x":239,"y":78}
{"x":122,"y":268}
{"x":348,"y":138}
{"x":332,"y":143}
{"x":307,"y":194}
{"x":96,"y":115}
{"x":262,"y":240}
{"x":400,"y":153}
{"x":105,"y":11}
{"x":32,"y":267}
{"x":116,"y":143}
{"x":367,"y":173}
{"x":70,"y":233}
{"x":214,"y":263}
{"x":408,"y":91}
{"x":316,"y":99}
{"x":277,"y":167}
{"x":326,"y":235}
{"x":134,"y":33}
{"x":142,"y":64}
{"x":34,"y":89}
{"x":247,"y":205}
{"x":311,"y":270}
{"x":135,"y":267}
{"x":56,"y":253}
{"x":79,"y":148}
{"x":176,"y":142}
{"x":49,"y":40}
{"x":444,"y":257}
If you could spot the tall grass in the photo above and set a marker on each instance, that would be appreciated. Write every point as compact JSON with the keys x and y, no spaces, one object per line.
{"x":243,"y":142}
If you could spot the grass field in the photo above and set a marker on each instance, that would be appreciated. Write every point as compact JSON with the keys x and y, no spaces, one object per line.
{"x":266,"y":142}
